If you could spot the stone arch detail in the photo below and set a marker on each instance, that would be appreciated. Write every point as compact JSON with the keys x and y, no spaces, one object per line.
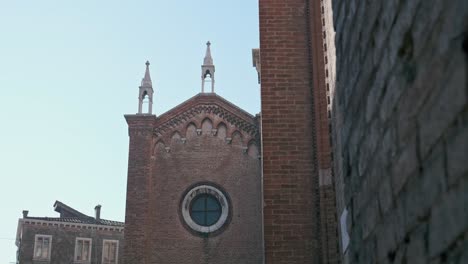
{"x":222,"y":130}
{"x":175,"y":134}
{"x":252,"y":149}
{"x":175,"y":137}
{"x":191,"y":130}
{"x":206,"y":126}
{"x":159,"y":146}
{"x":237,"y":138}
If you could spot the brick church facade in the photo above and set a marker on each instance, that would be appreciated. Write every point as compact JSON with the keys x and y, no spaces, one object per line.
{"x":194,"y":181}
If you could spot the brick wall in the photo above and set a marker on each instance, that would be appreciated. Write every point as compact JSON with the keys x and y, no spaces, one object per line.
{"x":138,"y":206}
{"x":290,"y":173}
{"x":400,"y":122}
{"x":184,"y":158}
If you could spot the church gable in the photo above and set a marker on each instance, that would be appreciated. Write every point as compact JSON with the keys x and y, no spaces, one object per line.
{"x":207,"y":114}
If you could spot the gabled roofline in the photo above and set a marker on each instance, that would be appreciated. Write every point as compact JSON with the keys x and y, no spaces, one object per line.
{"x":209,"y":102}
{"x":166,"y":115}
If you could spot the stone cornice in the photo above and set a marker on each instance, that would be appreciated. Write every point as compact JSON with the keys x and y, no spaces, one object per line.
{"x":71,"y":225}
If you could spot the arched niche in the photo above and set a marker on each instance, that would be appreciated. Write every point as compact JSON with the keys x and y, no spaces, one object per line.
{"x":191,"y":131}
{"x":236,"y":138}
{"x":207,"y":126}
{"x":222,"y":131}
{"x":252,"y":149}
{"x":176,"y":137}
{"x":159,"y":147}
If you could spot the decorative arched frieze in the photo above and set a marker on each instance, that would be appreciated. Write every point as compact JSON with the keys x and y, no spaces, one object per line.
{"x":215,"y":110}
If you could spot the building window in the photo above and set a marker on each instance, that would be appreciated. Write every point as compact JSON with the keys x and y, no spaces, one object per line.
{"x":42,"y":247}
{"x":110,"y":251}
{"x":83,"y":250}
{"x":205,"y":209}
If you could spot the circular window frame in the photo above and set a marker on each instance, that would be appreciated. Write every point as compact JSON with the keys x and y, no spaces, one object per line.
{"x":204,"y":210}
{"x":189,"y":197}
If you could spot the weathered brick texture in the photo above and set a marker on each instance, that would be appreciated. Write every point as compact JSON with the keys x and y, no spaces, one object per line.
{"x":299,"y":212}
{"x":400,"y":128}
{"x":139,"y":185}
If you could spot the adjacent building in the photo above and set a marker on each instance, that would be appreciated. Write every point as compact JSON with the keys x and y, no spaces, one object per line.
{"x":73,"y":237}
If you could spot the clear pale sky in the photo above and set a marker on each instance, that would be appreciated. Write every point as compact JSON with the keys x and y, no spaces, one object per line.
{"x":70,"y":70}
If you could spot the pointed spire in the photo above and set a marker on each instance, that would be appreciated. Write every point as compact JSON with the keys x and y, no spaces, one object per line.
{"x":146,"y":91}
{"x":146,"y":81}
{"x":208,"y":69}
{"x":208,"y":59}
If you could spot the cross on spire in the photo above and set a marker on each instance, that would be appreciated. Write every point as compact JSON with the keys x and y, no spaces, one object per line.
{"x":146,"y":81}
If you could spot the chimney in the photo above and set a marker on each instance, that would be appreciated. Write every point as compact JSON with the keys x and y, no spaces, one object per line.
{"x":25,"y":213}
{"x":97,"y":211}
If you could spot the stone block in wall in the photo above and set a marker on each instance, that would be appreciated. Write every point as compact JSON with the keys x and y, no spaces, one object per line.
{"x":381,"y":32}
{"x":444,"y":103}
{"x":405,"y":166}
{"x":449,"y":219}
{"x":390,"y":232}
{"x":457,"y":145}
{"x":371,"y":11}
{"x":464,"y":252}
{"x":394,"y":89}
{"x":386,"y":240}
{"x":385,"y":196}
{"x":416,"y":252}
{"x":370,"y":218}
{"x":388,"y":144}
{"x":424,"y":189}
{"x":425,"y":21}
